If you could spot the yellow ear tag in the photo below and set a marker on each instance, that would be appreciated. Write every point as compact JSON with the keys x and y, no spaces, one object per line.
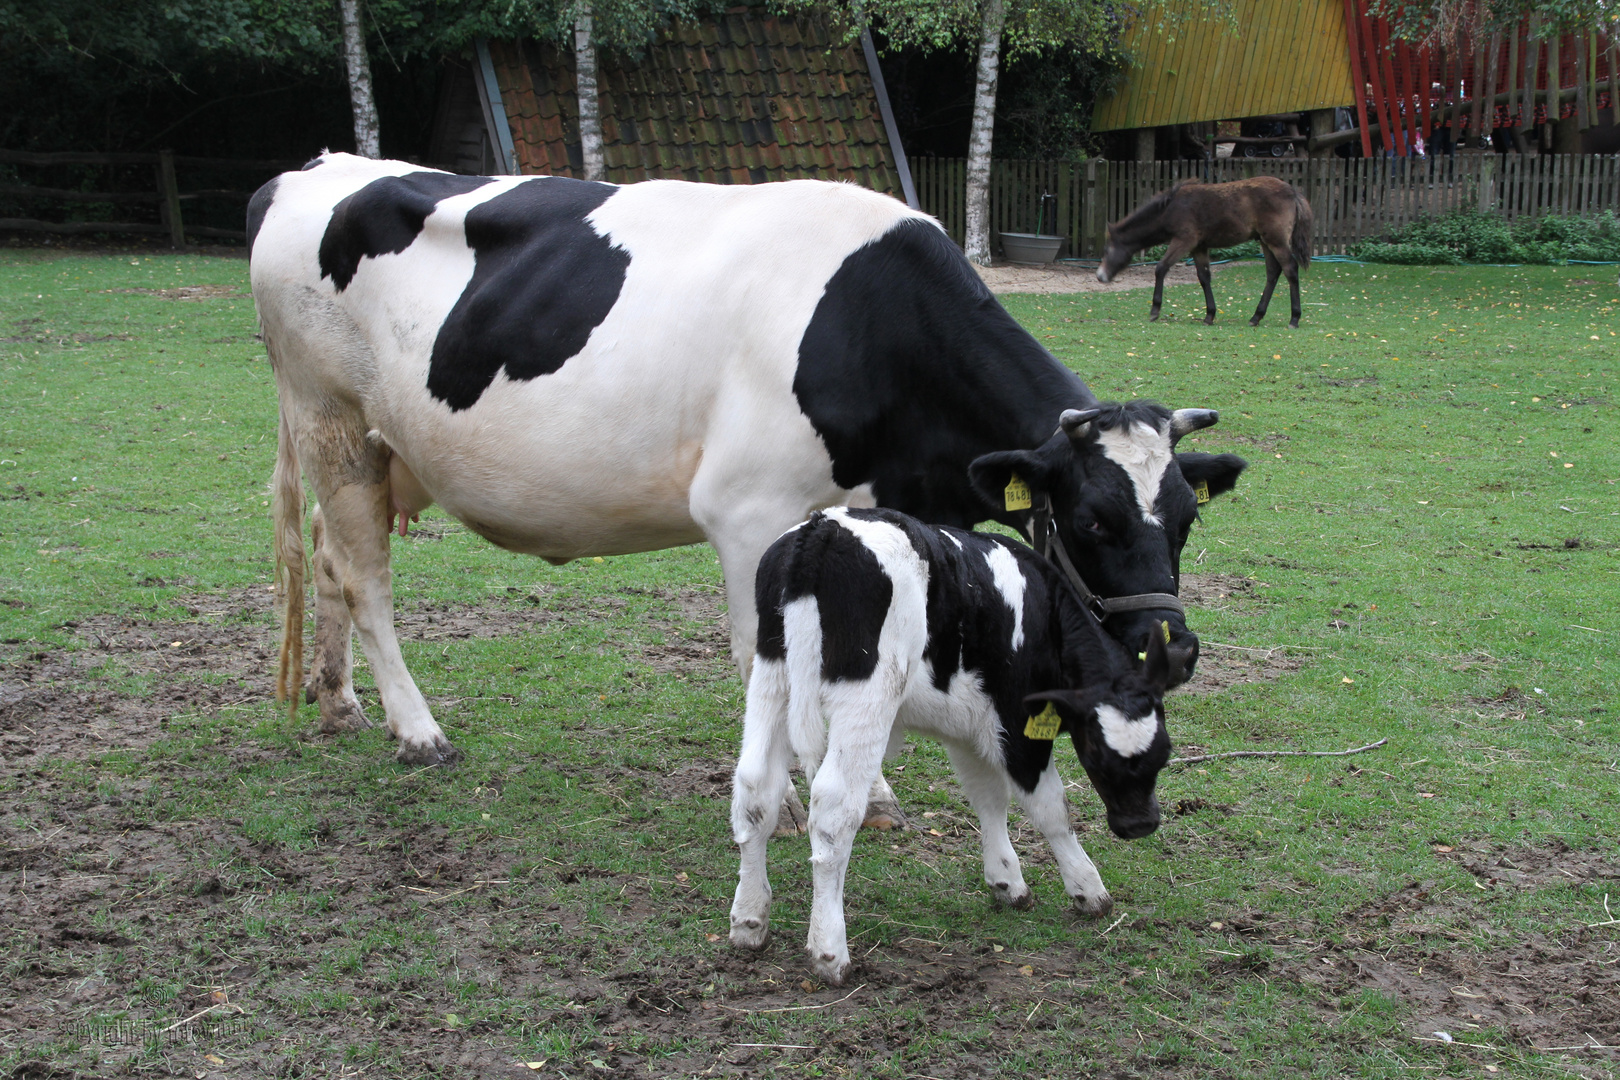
{"x":1044,"y":726}
{"x":1017,"y":494}
{"x":1201,"y":489}
{"x":1166,"y":628}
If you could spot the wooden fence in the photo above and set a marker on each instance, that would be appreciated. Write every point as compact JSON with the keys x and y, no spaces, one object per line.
{"x":164,"y":196}
{"x":1353,"y":199}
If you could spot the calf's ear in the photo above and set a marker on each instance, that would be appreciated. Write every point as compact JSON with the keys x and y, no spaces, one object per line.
{"x":1219,"y":471}
{"x":992,"y":473}
{"x":1074,"y":706}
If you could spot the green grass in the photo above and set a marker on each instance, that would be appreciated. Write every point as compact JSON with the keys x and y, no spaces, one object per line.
{"x":1422,"y":452}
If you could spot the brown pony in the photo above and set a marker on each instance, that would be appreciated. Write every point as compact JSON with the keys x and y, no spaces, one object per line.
{"x":1193,"y":217}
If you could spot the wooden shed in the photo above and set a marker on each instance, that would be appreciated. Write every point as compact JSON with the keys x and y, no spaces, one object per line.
{"x":1274,"y":56}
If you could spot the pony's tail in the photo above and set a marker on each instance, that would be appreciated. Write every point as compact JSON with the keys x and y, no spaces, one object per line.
{"x":287,"y":488}
{"x":1299,"y":244}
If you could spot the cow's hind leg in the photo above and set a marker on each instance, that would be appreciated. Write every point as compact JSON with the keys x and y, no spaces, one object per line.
{"x":856,"y":736}
{"x":350,"y":477}
{"x":1273,"y":271}
{"x":1201,"y":263}
{"x":1049,"y":811}
{"x":756,"y":794}
{"x":331,"y":679}
{"x":985,"y":786}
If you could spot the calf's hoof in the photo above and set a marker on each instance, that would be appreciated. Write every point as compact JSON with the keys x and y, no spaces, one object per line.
{"x":1018,"y":901}
{"x":750,"y":934}
{"x":1094,"y":907}
{"x":829,"y":967}
{"x":340,"y":715}
{"x":437,"y":751}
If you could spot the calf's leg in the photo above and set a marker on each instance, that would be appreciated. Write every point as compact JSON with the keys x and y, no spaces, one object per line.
{"x":986,"y":787}
{"x":331,"y":679}
{"x":856,"y":736}
{"x":756,"y":794}
{"x":1049,"y":810}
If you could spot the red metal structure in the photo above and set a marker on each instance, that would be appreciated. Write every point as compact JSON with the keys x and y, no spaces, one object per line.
{"x":1412,"y":91}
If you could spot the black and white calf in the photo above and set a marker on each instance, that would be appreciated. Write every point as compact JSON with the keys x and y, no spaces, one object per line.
{"x":872,"y":624}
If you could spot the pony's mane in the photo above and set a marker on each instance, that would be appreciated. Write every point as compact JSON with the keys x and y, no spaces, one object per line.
{"x":1157,"y":203}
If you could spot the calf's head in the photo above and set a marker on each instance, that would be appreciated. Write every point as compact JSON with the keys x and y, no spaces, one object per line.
{"x":1123,"y":502}
{"x":1117,"y":726}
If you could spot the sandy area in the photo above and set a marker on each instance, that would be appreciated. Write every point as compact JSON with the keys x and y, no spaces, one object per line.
{"x":1073,"y":278}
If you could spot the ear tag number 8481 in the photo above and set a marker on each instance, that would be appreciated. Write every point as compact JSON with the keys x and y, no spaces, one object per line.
{"x":1017,"y":494}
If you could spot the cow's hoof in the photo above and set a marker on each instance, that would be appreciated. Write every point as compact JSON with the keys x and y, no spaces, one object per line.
{"x":310,"y":697}
{"x":342,"y":716}
{"x":437,"y":752}
{"x":1094,"y":907}
{"x":751,"y":934}
{"x":884,"y":816}
{"x":1018,"y":901}
{"x":791,"y":819}
{"x":830,"y":968}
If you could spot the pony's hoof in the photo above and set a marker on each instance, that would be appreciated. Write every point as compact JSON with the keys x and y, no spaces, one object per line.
{"x":1209,"y":320}
{"x":1153,"y":316}
{"x":1293,"y":324}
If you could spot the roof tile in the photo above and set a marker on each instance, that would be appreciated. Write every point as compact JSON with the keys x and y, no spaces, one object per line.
{"x":750,"y":98}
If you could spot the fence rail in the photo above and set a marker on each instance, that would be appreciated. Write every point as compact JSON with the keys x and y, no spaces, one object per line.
{"x":164,"y":193}
{"x":1352,"y":199}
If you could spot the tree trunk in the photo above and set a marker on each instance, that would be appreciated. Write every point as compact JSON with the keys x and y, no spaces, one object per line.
{"x":590,"y":108}
{"x":984,"y":123}
{"x":361,"y":100}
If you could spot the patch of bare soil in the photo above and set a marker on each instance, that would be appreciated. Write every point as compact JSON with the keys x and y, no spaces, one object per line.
{"x":1222,"y":666}
{"x":1074,"y":278}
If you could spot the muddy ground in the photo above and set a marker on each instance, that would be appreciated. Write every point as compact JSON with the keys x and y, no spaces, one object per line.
{"x":68,"y":969}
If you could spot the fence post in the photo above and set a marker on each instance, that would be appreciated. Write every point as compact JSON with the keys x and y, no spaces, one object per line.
{"x":170,"y":190}
{"x":1063,"y":226}
{"x":1487,"y":183}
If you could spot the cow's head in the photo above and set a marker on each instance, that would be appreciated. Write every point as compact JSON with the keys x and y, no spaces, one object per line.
{"x":1117,"y":256}
{"x":1117,"y":726}
{"x":1123,"y":502}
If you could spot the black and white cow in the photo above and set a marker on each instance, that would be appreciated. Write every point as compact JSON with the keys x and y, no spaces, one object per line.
{"x":872,"y":624}
{"x":575,"y":368}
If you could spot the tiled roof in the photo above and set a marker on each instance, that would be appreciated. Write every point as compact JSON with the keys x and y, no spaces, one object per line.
{"x":742,"y":99}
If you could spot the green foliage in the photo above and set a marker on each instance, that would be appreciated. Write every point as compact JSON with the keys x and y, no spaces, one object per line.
{"x":1470,"y":236}
{"x":1043,"y":109}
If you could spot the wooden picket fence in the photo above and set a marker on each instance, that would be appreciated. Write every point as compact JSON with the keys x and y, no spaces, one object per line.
{"x":1353,"y":199}
{"x":155,"y":196}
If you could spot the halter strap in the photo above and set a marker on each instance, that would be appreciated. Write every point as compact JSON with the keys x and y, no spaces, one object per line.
{"x":1044,"y":535}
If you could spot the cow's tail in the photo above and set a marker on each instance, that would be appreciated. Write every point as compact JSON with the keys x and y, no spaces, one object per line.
{"x":1300,"y":242}
{"x":288,"y":514}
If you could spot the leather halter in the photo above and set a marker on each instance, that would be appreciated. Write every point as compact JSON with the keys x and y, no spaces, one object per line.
{"x":1044,"y":535}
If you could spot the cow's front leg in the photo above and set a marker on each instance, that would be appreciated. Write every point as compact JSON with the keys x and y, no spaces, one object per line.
{"x":331,"y":679}
{"x":838,"y":794}
{"x":756,"y":794}
{"x":985,"y":786}
{"x":356,"y":517}
{"x":1049,"y":811}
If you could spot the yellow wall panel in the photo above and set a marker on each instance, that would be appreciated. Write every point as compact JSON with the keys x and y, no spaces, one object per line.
{"x":1276,"y":56}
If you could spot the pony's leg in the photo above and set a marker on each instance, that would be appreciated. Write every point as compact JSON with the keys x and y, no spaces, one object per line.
{"x":1201,"y":261}
{"x":1173,"y":254}
{"x":1273,"y":270}
{"x":1291,"y":272}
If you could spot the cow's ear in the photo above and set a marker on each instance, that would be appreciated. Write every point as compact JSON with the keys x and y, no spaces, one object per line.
{"x":993,"y":477}
{"x":1218,"y":472}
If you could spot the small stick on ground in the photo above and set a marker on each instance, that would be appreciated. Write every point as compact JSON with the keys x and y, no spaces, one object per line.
{"x":1275,"y":753}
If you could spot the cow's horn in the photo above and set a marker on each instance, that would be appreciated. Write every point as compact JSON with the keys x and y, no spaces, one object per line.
{"x":1074,"y":421}
{"x":1186,"y":421}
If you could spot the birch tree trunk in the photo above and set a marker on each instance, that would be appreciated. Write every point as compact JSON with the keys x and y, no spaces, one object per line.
{"x":984,"y":122}
{"x":590,"y":111}
{"x":361,"y":101}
